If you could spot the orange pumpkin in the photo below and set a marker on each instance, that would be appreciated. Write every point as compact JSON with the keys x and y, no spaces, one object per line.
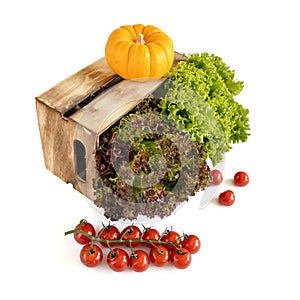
{"x":139,"y":51}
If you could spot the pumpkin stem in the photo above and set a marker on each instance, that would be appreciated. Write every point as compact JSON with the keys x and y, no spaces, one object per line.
{"x":140,"y":39}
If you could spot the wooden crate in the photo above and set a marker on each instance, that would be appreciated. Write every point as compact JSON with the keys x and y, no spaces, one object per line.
{"x":73,"y":113}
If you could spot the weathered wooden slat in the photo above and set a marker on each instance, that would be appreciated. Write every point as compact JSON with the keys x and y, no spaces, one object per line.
{"x":114,"y":103}
{"x":75,"y":88}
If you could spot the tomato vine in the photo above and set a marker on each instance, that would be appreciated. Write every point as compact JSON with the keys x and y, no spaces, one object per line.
{"x":164,"y":248}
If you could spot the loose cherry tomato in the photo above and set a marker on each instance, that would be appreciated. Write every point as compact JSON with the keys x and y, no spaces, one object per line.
{"x":171,"y":237}
{"x":91,"y":255}
{"x":216,"y":177}
{"x":150,"y":234}
{"x":241,"y":178}
{"x":227,"y":198}
{"x":131,"y":232}
{"x":109,"y":232}
{"x":118,"y":259}
{"x":181,"y":258}
{"x":139,"y":261}
{"x":86,"y":227}
{"x":159,"y":255}
{"x":191,"y":243}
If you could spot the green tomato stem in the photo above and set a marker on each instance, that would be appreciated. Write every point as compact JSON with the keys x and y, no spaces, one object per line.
{"x":121,"y":240}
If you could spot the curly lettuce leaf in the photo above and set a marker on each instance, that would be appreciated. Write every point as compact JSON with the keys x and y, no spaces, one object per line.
{"x":215,"y":82}
{"x":197,"y":118}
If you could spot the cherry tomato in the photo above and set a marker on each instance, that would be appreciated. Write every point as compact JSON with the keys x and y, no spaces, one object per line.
{"x":181,"y":258}
{"x":91,"y":255}
{"x":159,"y":255}
{"x":118,"y":259}
{"x":227,"y":198}
{"x":139,"y":261}
{"x":216,"y":177}
{"x":150,"y":234}
{"x":131,"y":232}
{"x":241,"y":178}
{"x":86,"y":227}
{"x":171,"y":237}
{"x":109,"y":232}
{"x":191,"y":243}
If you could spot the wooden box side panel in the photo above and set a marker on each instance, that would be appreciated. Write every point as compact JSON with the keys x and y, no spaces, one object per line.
{"x":57,"y":142}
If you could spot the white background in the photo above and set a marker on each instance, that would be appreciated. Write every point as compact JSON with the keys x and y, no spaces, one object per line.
{"x":249,"y":250}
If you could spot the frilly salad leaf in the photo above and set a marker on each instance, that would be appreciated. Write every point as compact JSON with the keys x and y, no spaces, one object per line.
{"x":190,"y":110}
{"x":213,"y":80}
{"x":131,"y":156}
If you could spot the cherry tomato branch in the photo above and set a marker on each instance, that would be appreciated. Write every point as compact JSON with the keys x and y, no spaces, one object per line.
{"x":122,"y":241}
{"x":164,"y":248}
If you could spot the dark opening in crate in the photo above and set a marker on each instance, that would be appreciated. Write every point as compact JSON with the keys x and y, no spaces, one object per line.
{"x":80,"y":160}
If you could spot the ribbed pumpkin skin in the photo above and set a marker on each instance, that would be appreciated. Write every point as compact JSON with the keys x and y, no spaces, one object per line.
{"x":132,"y":60}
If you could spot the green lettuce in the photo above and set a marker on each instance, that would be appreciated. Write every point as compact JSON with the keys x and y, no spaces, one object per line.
{"x":210,"y":78}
